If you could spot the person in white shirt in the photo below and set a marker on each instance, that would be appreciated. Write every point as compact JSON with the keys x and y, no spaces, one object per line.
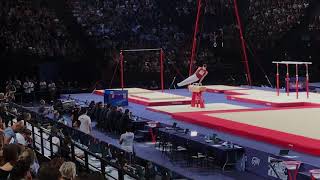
{"x":28,"y":87}
{"x":126,"y":141}
{"x":85,"y":120}
{"x":43,"y":85}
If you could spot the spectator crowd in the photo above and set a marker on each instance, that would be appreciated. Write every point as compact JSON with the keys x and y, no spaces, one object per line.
{"x":34,"y":29}
{"x":269,"y":20}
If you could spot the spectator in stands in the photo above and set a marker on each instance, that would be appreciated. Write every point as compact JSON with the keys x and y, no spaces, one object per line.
{"x":23,"y":137}
{"x":85,"y":121}
{"x":2,"y":98}
{"x":125,"y":121}
{"x":28,"y":87}
{"x":43,"y":108}
{"x":52,"y":90}
{"x":10,"y":91}
{"x":76,"y":124}
{"x":68,"y":171}
{"x":17,"y":83}
{"x":10,"y":132}
{"x":126,"y":142}
{"x":21,"y":171}
{"x":43,"y":85}
{"x":111,"y":119}
{"x":117,"y":121}
{"x":97,"y":110}
{"x":55,"y":140}
{"x":59,"y":118}
{"x":10,"y":155}
{"x":75,"y":113}
{"x":30,"y":157}
{"x":4,"y":114}
{"x":2,"y":126}
{"x":47,"y":172}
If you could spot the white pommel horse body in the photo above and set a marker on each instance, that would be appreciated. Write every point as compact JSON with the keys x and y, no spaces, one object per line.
{"x":287,"y":63}
{"x":197,"y":99}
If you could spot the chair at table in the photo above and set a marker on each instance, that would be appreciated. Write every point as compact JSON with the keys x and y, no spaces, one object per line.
{"x":210,"y":159}
{"x":315,"y":174}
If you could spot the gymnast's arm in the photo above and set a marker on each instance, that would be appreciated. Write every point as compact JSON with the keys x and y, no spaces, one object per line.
{"x":203,"y":77}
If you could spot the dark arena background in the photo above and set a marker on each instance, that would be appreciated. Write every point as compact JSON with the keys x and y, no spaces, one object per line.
{"x":160,"y":89}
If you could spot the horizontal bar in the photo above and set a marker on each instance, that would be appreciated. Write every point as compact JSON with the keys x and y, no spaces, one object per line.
{"x":136,"y":50}
{"x":290,"y":62}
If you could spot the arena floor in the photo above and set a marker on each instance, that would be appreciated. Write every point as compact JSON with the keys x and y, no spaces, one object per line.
{"x":187,"y":108}
{"x":294,"y":128}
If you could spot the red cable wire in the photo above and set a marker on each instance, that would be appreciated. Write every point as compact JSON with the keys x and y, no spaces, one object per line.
{"x":194,"y":43}
{"x":242,"y":43}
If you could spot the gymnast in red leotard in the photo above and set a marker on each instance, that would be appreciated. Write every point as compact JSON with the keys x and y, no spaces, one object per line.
{"x":199,"y":75}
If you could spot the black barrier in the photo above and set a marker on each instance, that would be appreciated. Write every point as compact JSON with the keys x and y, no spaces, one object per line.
{"x":85,"y":160}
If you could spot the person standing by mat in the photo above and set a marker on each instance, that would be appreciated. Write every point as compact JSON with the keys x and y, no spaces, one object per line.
{"x":199,"y":75}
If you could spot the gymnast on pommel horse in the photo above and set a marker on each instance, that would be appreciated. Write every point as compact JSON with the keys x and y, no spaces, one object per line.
{"x":199,"y":75}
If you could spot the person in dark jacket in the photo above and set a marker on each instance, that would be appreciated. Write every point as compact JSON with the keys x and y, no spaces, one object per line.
{"x":125,"y":121}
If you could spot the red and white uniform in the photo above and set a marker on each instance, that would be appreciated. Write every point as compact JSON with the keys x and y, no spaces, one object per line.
{"x":194,"y":78}
{"x":201,"y":72}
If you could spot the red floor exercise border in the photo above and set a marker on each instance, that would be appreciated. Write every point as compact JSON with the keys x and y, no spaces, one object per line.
{"x":230,"y":92}
{"x":269,"y":103}
{"x":206,"y":111}
{"x":162,"y":103}
{"x":292,"y":141}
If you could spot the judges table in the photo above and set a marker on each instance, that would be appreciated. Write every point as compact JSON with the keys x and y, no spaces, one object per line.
{"x":225,"y":154}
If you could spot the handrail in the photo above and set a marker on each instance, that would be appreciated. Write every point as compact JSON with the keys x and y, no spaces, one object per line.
{"x":87,"y":165}
{"x":41,"y":119}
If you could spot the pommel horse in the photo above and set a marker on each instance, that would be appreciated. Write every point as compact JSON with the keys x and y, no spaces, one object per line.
{"x":197,"y":90}
{"x":287,"y":79}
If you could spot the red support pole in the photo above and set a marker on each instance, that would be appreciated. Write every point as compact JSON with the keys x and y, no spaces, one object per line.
{"x":277,"y":80}
{"x":307,"y":80}
{"x":243,"y":44}
{"x":194,"y":43}
{"x":161,"y":70}
{"x":287,"y":79}
{"x":121,"y":69}
{"x":297,"y":82}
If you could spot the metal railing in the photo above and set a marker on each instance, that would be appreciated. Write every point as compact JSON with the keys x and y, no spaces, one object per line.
{"x":79,"y":152}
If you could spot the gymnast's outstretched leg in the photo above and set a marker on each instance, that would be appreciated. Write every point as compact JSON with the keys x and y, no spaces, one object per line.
{"x":189,"y":80}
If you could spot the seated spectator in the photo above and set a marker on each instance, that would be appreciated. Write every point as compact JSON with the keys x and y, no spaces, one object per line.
{"x":59,"y":118}
{"x":10,"y":132}
{"x":43,"y":110}
{"x":2,"y":98}
{"x":10,"y":91}
{"x":21,"y":171}
{"x":10,"y":155}
{"x":68,"y":171}
{"x":2,"y":125}
{"x":30,"y":157}
{"x":47,"y":172}
{"x":43,"y":85}
{"x":23,"y":137}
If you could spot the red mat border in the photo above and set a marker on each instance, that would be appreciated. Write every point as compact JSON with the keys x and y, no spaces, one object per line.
{"x":268,"y":103}
{"x":291,"y":141}
{"x":162,"y":103}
